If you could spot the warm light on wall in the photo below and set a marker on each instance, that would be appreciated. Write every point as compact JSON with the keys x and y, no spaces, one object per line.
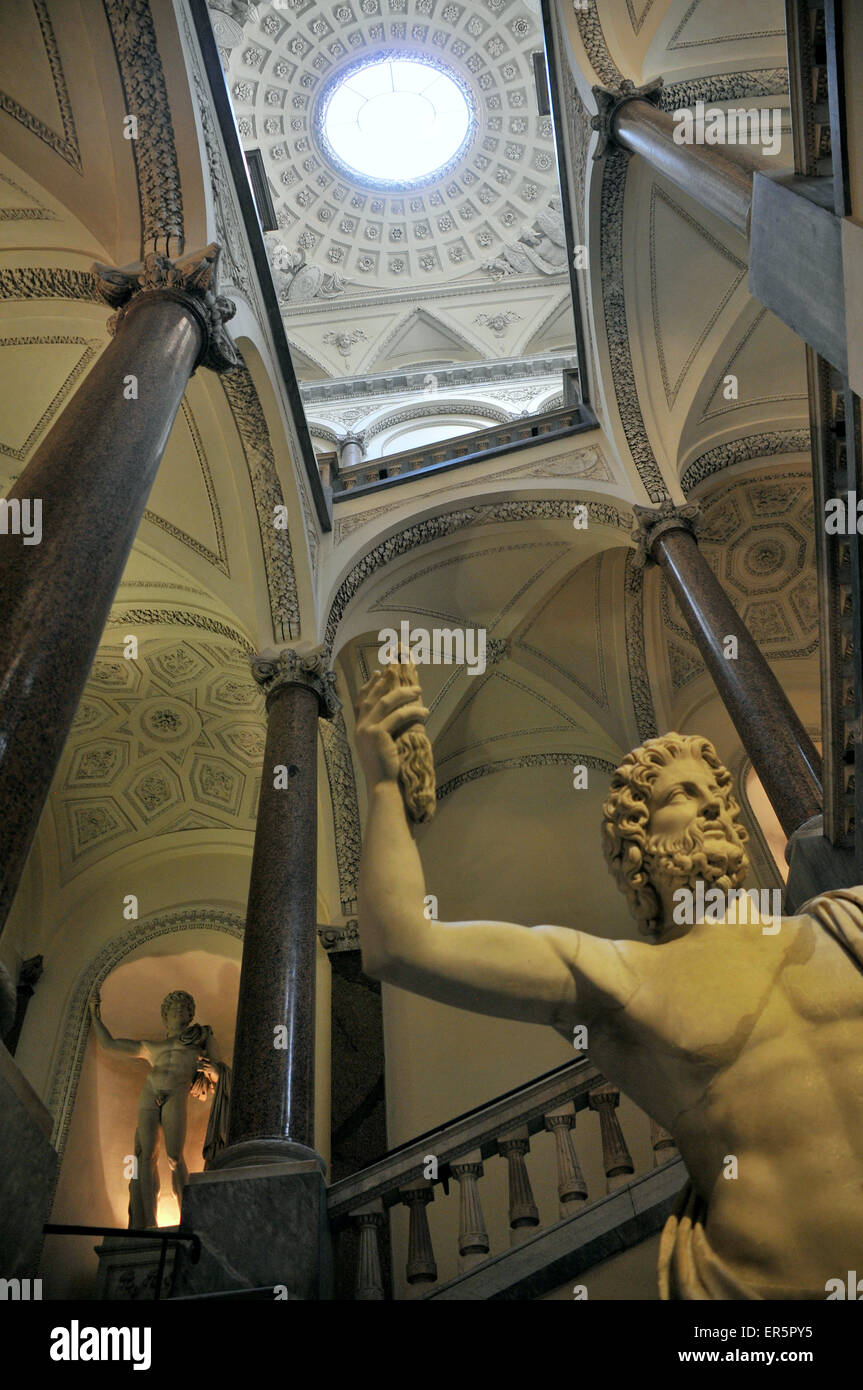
{"x":767,"y":819}
{"x":168,"y":1213}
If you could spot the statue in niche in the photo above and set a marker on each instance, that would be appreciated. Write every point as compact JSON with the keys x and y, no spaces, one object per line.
{"x":296,"y":281}
{"x":183,"y":1063}
{"x":540,"y":247}
{"x":742,"y":1036}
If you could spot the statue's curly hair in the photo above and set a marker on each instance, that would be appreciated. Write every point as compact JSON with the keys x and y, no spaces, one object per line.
{"x":178,"y":996}
{"x":626,"y":814}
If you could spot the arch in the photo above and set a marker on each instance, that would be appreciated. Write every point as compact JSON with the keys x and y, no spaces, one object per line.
{"x":66,"y":1069}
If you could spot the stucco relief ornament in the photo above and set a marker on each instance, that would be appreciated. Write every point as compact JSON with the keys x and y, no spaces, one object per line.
{"x":541,"y":247}
{"x":295,"y":280}
{"x":498,"y":323}
{"x":193,"y":279}
{"x":343,"y":342}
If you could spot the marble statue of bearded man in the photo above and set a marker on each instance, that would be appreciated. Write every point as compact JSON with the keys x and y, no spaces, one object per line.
{"x":741,"y":1036}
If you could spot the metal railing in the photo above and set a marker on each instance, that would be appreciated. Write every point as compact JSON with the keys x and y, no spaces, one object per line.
{"x":165,"y":1236}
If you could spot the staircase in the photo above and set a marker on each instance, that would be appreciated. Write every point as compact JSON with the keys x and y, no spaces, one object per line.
{"x":527,"y":1260}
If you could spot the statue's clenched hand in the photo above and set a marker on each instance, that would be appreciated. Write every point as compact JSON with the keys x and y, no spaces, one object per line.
{"x":381,"y":716}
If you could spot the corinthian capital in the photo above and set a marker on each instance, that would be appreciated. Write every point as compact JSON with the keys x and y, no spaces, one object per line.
{"x":193,"y":279}
{"x":610,"y":101}
{"x":290,"y":667}
{"x":652,"y":522}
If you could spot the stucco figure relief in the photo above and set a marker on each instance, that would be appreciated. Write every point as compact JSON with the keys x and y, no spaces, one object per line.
{"x":185,"y":1062}
{"x":296,"y":281}
{"x":742,"y":1036}
{"x":541,"y":247}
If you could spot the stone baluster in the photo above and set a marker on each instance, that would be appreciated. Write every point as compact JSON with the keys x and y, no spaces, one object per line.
{"x":615,"y":1155}
{"x":571,"y":1186}
{"x":351,"y":451}
{"x":325,"y":468}
{"x":664,"y":1147}
{"x":421,"y":1266}
{"x":472,"y":1236}
{"x":523,"y":1212}
{"x":369,"y":1220}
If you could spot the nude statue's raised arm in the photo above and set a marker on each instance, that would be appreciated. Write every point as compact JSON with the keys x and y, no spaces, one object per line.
{"x":130,"y":1047}
{"x":495,"y":968}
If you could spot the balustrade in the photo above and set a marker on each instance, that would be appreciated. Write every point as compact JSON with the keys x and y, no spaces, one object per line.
{"x":502,"y":1130}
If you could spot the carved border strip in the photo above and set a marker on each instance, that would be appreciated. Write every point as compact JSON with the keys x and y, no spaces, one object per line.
{"x":627,"y":403}
{"x":751,"y":446}
{"x":636,"y":655}
{"x":42,"y":282}
{"x":143,"y":81}
{"x":66,"y":146}
{"x":525,"y":760}
{"x":181,"y":618}
{"x":245,"y":405}
{"x":346,"y":815}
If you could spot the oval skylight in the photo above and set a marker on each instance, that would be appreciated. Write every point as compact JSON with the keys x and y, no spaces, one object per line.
{"x":396,"y":121}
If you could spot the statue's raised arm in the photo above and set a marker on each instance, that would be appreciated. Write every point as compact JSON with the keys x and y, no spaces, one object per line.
{"x":738,"y":1029}
{"x":130,"y":1047}
{"x":496,"y":968}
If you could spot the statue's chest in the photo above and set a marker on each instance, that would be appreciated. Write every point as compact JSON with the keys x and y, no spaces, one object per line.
{"x":703,"y":997}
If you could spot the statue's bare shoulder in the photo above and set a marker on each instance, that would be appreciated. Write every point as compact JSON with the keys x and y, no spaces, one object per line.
{"x":605,"y":973}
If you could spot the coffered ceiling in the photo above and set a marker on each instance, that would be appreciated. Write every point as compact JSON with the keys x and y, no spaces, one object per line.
{"x":279,"y":65}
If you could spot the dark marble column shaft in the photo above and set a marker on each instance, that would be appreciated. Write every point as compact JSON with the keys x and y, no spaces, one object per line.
{"x":720,"y":180}
{"x":272,"y":1101}
{"x":778,"y":746}
{"x":92,"y":475}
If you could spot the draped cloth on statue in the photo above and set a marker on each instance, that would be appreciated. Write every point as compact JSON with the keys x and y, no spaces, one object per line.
{"x":688,"y":1266}
{"x":217,"y":1126}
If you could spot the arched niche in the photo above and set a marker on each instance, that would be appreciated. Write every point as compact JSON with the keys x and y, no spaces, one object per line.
{"x":96,"y":1093}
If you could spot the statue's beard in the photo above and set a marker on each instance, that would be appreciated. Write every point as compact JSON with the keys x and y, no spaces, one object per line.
{"x":691,"y":858}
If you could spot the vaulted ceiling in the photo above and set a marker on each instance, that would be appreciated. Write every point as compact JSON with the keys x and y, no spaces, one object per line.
{"x":373,"y":281}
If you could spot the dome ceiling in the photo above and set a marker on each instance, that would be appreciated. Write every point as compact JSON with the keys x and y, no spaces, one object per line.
{"x":283,"y":60}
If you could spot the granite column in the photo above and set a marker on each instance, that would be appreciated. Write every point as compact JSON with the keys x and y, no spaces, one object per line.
{"x":260,"y":1208}
{"x":720,"y":182}
{"x":778,"y":746}
{"x":68,"y":525}
{"x":272,"y":1106}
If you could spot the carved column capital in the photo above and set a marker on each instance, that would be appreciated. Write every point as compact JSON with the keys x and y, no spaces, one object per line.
{"x":290,"y":667}
{"x":610,"y":102}
{"x":606,"y":1094}
{"x":192,"y":280}
{"x":653,"y":522}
